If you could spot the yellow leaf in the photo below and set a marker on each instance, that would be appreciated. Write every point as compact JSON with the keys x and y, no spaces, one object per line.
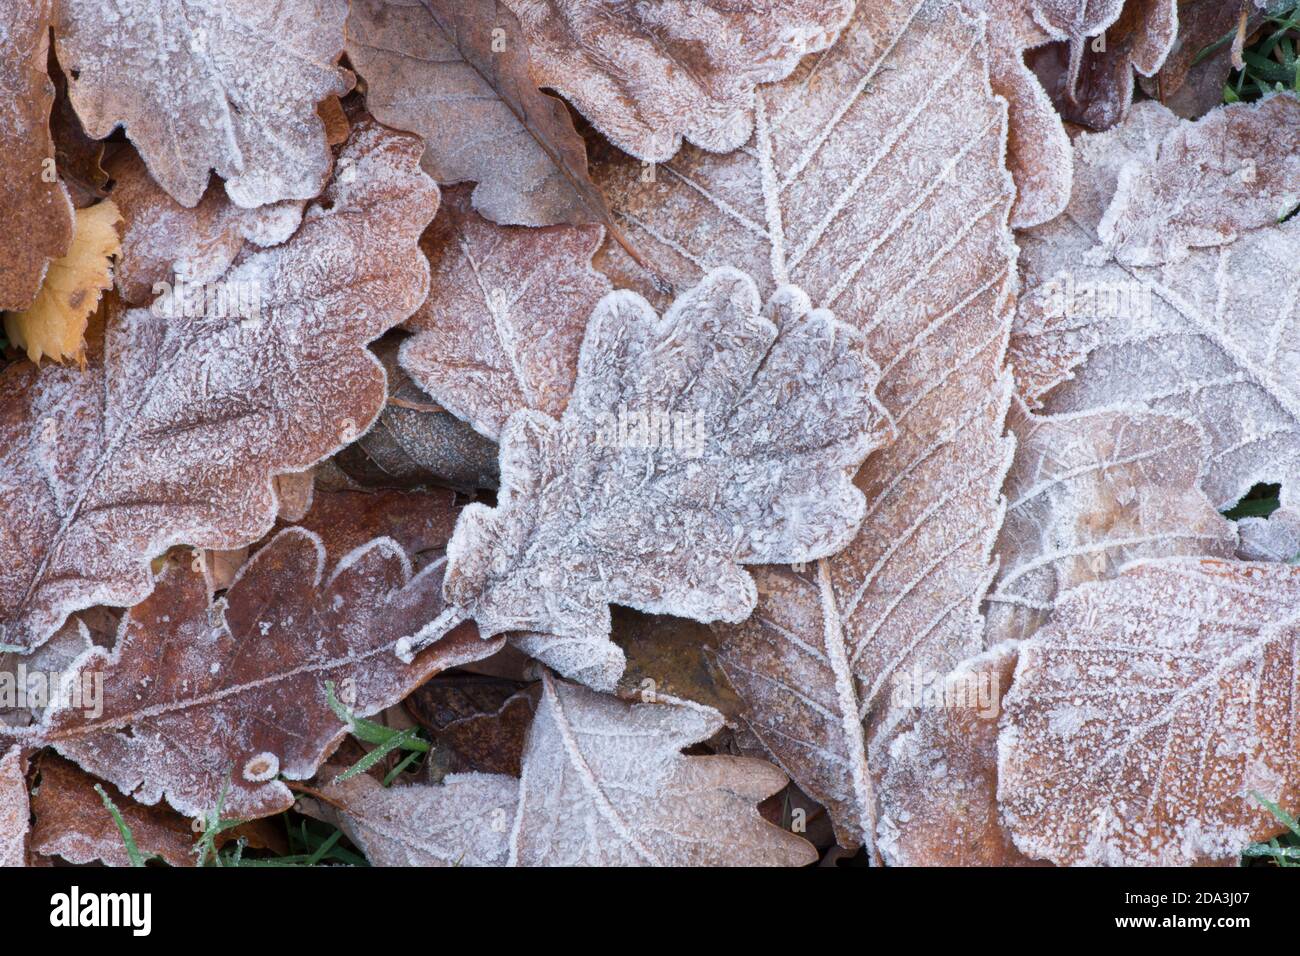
{"x":55,"y":325}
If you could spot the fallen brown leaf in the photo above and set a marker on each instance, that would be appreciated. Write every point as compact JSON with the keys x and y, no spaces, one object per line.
{"x":31,"y":194}
{"x":246,"y":674}
{"x":767,"y":417}
{"x":174,"y":431}
{"x":650,"y":75}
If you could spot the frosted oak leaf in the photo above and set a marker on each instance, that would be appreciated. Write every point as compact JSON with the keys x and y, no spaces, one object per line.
{"x":72,"y":822}
{"x":30,"y":191}
{"x":174,"y":431}
{"x":458,"y":73}
{"x":1187,"y":307}
{"x":229,"y":86}
{"x":504,"y":319}
{"x":604,"y":783}
{"x":717,"y":436}
{"x":462,"y":821}
{"x":649,"y":75}
{"x":1145,"y":716}
{"x":199,"y":693}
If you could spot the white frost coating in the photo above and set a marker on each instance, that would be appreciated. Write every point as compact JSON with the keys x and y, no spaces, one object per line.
{"x":503,"y":323}
{"x":1145,"y":712}
{"x":416,"y":79}
{"x":598,"y":664}
{"x":647,"y":75}
{"x":464,"y":821}
{"x":771,"y":415}
{"x":175,"y":430}
{"x":1038,"y":149}
{"x":161,"y":238}
{"x":210,"y":84}
{"x":1275,"y":538}
{"x":1235,"y":170}
{"x":605,"y":784}
{"x":1209,"y":337}
{"x":794,"y":676}
{"x":15,"y":808}
{"x":1090,"y":492}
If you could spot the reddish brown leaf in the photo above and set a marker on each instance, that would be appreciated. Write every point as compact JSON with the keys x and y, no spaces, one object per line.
{"x":73,"y":823}
{"x":940,"y":778}
{"x":649,"y":75}
{"x":452,"y":69}
{"x":30,"y":192}
{"x":201,"y":695}
{"x":1147,"y":714}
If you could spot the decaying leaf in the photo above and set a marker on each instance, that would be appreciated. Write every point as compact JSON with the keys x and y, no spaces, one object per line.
{"x":78,"y":158}
{"x":416,"y":441}
{"x":165,"y":244}
{"x":649,"y":75}
{"x":491,"y":742}
{"x":33,"y":200}
{"x":938,"y":798}
{"x":1145,"y":716}
{"x":1192,"y":78}
{"x":174,"y":431}
{"x":1191,"y":314}
{"x":604,"y":783}
{"x":15,"y":808}
{"x":230,"y":87}
{"x":458,"y":73}
{"x":673,"y":656}
{"x":73,"y":823}
{"x":1090,"y":73}
{"x":55,"y":325}
{"x":464,"y":821}
{"x":1090,"y":492}
{"x":1038,"y":150}
{"x":505,"y":316}
{"x":246,"y":674}
{"x":887,"y":200}
{"x":745,"y":428}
